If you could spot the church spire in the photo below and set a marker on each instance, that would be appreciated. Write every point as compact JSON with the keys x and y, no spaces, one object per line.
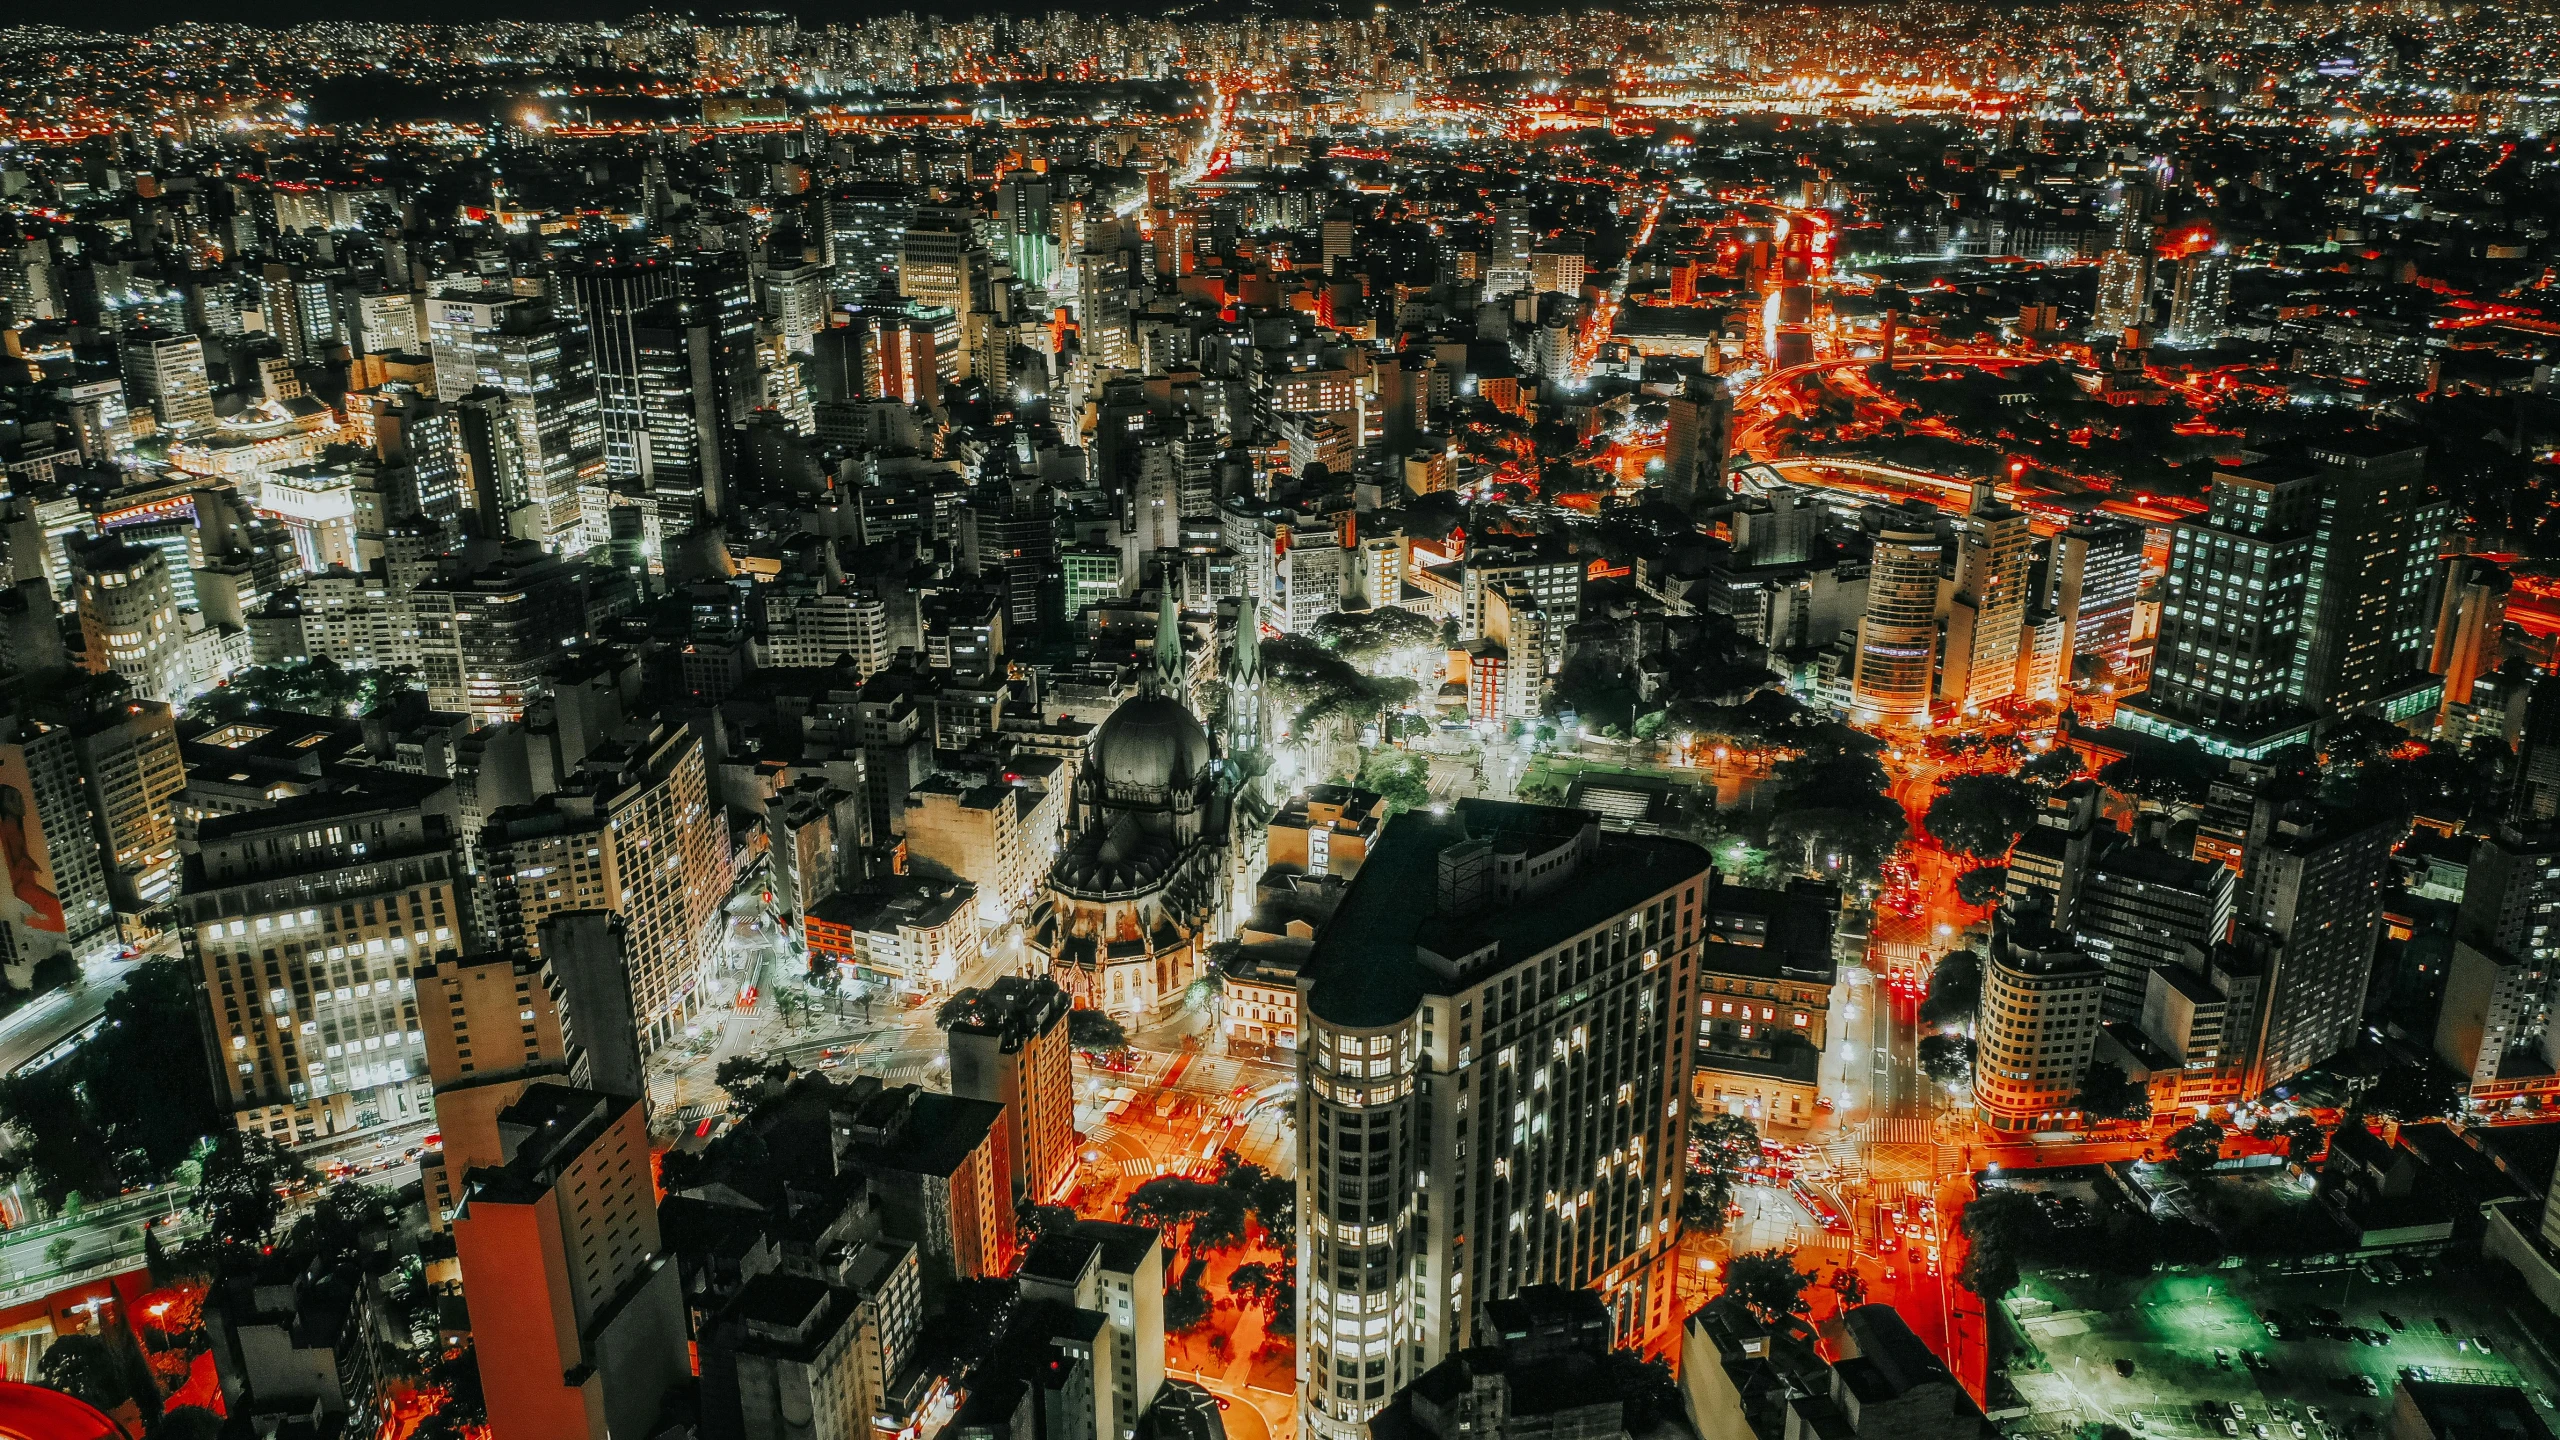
{"x":1171,"y":671}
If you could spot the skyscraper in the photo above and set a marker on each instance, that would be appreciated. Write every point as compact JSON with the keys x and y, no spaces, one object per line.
{"x":1011,"y":1047}
{"x":2232,"y":616}
{"x":2374,"y":555}
{"x":52,"y":848}
{"x":1989,"y":606}
{"x":1696,"y":434}
{"x":129,"y":617}
{"x":2315,"y":885}
{"x":2124,"y":293}
{"x":1898,"y":636}
{"x":2135,"y":910}
{"x":2042,"y":1003}
{"x":165,"y":371}
{"x":611,"y":297}
{"x":2097,"y":577}
{"x":1494,"y":1089}
{"x":2471,"y":615}
{"x":311,"y":921}
{"x":577,"y":1312}
{"x":2199,"y":298}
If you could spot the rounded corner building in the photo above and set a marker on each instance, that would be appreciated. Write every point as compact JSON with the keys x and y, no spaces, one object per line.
{"x":1493,"y":1066}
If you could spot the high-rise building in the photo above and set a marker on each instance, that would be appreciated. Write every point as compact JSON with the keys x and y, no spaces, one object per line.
{"x":1695,"y":438}
{"x":611,"y":297}
{"x":2042,"y":1003}
{"x":1118,"y":1271}
{"x":2137,"y":908}
{"x":1897,"y":644}
{"x":2232,"y":616}
{"x":577,"y":1313}
{"x":1989,"y":607}
{"x":63,"y":905}
{"x":2470,"y":623}
{"x":2199,"y":299}
{"x":492,"y":1027}
{"x":1493,"y":1060}
{"x":165,"y":371}
{"x":1011,"y":1047}
{"x":634,"y":832}
{"x":129,"y":622}
{"x":129,"y":755}
{"x":2315,"y":885}
{"x":2124,"y":292}
{"x":490,"y":622}
{"x":866,"y":227}
{"x":2374,"y":555}
{"x":312,"y":920}
{"x":2097,"y":578}
{"x":2494,"y":1026}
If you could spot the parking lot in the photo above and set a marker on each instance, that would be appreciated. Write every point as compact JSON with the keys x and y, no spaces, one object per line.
{"x":2166,"y":1355}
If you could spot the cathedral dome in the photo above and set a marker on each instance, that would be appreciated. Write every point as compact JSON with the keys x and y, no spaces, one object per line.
{"x":1151,"y":743}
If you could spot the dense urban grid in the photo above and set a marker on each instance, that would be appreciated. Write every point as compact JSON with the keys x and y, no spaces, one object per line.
{"x":1722,"y":721}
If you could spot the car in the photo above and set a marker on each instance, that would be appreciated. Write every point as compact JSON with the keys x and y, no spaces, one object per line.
{"x":1891,"y":1274}
{"x":830,"y":1062}
{"x":2221,"y":1357}
{"x":2394,"y":1321}
{"x":2365,"y":1383}
{"x":2483,"y":1342}
{"x":2444,"y":1325}
{"x":2259,"y":1430}
{"x":2230,"y":1427}
{"x":2274,"y":1331}
{"x":2255,"y":1360}
{"x":2123,"y":1367}
{"x":2238,"y":1410}
{"x":2316,"y":1415}
{"x":2298,"y":1432}
{"x":1221,"y":1399}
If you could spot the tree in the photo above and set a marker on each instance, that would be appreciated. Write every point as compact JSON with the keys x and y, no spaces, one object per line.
{"x":965,"y":1007}
{"x":1838,"y":841}
{"x":1767,"y":1284}
{"x":1035,"y":1222}
{"x":1367,"y":636}
{"x":749,"y":1079}
{"x":1982,"y":885}
{"x":2303,"y":1140}
{"x":2162,"y":773}
{"x":1186,"y":1309}
{"x":2106,"y":1093}
{"x":128,"y":1106}
{"x":1254,"y":1281}
{"x":1401,"y":776}
{"x":462,"y":1409}
{"x":1721,"y":1147}
{"x":2196,"y":1149}
{"x":1647,"y":1391}
{"x":240,"y":1195}
{"x":1850,"y":1286}
{"x":1094,"y":1030}
{"x":1209,"y":1217}
{"x":1947,"y":1059}
{"x":1955,"y":989}
{"x":1980,"y":815}
{"x":2055,"y":767}
{"x":85,"y":1368}
{"x":2001,"y":1227}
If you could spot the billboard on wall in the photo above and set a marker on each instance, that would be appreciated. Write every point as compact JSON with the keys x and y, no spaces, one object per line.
{"x":31,"y":904}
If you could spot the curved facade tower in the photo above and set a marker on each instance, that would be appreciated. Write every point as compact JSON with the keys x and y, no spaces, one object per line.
{"x":1493,"y":1064}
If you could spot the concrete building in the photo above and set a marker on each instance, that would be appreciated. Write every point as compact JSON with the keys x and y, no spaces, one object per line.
{"x":1011,"y":1047}
{"x":1469,"y":1123}
{"x":982,"y":834}
{"x":2137,"y":907}
{"x":1765,"y":977}
{"x":577,"y":1314}
{"x":1987,"y":613}
{"x":2315,"y":884}
{"x":2042,"y":1001}
{"x":1897,"y":639}
{"x":1116,"y":1271}
{"x":307,"y":923}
